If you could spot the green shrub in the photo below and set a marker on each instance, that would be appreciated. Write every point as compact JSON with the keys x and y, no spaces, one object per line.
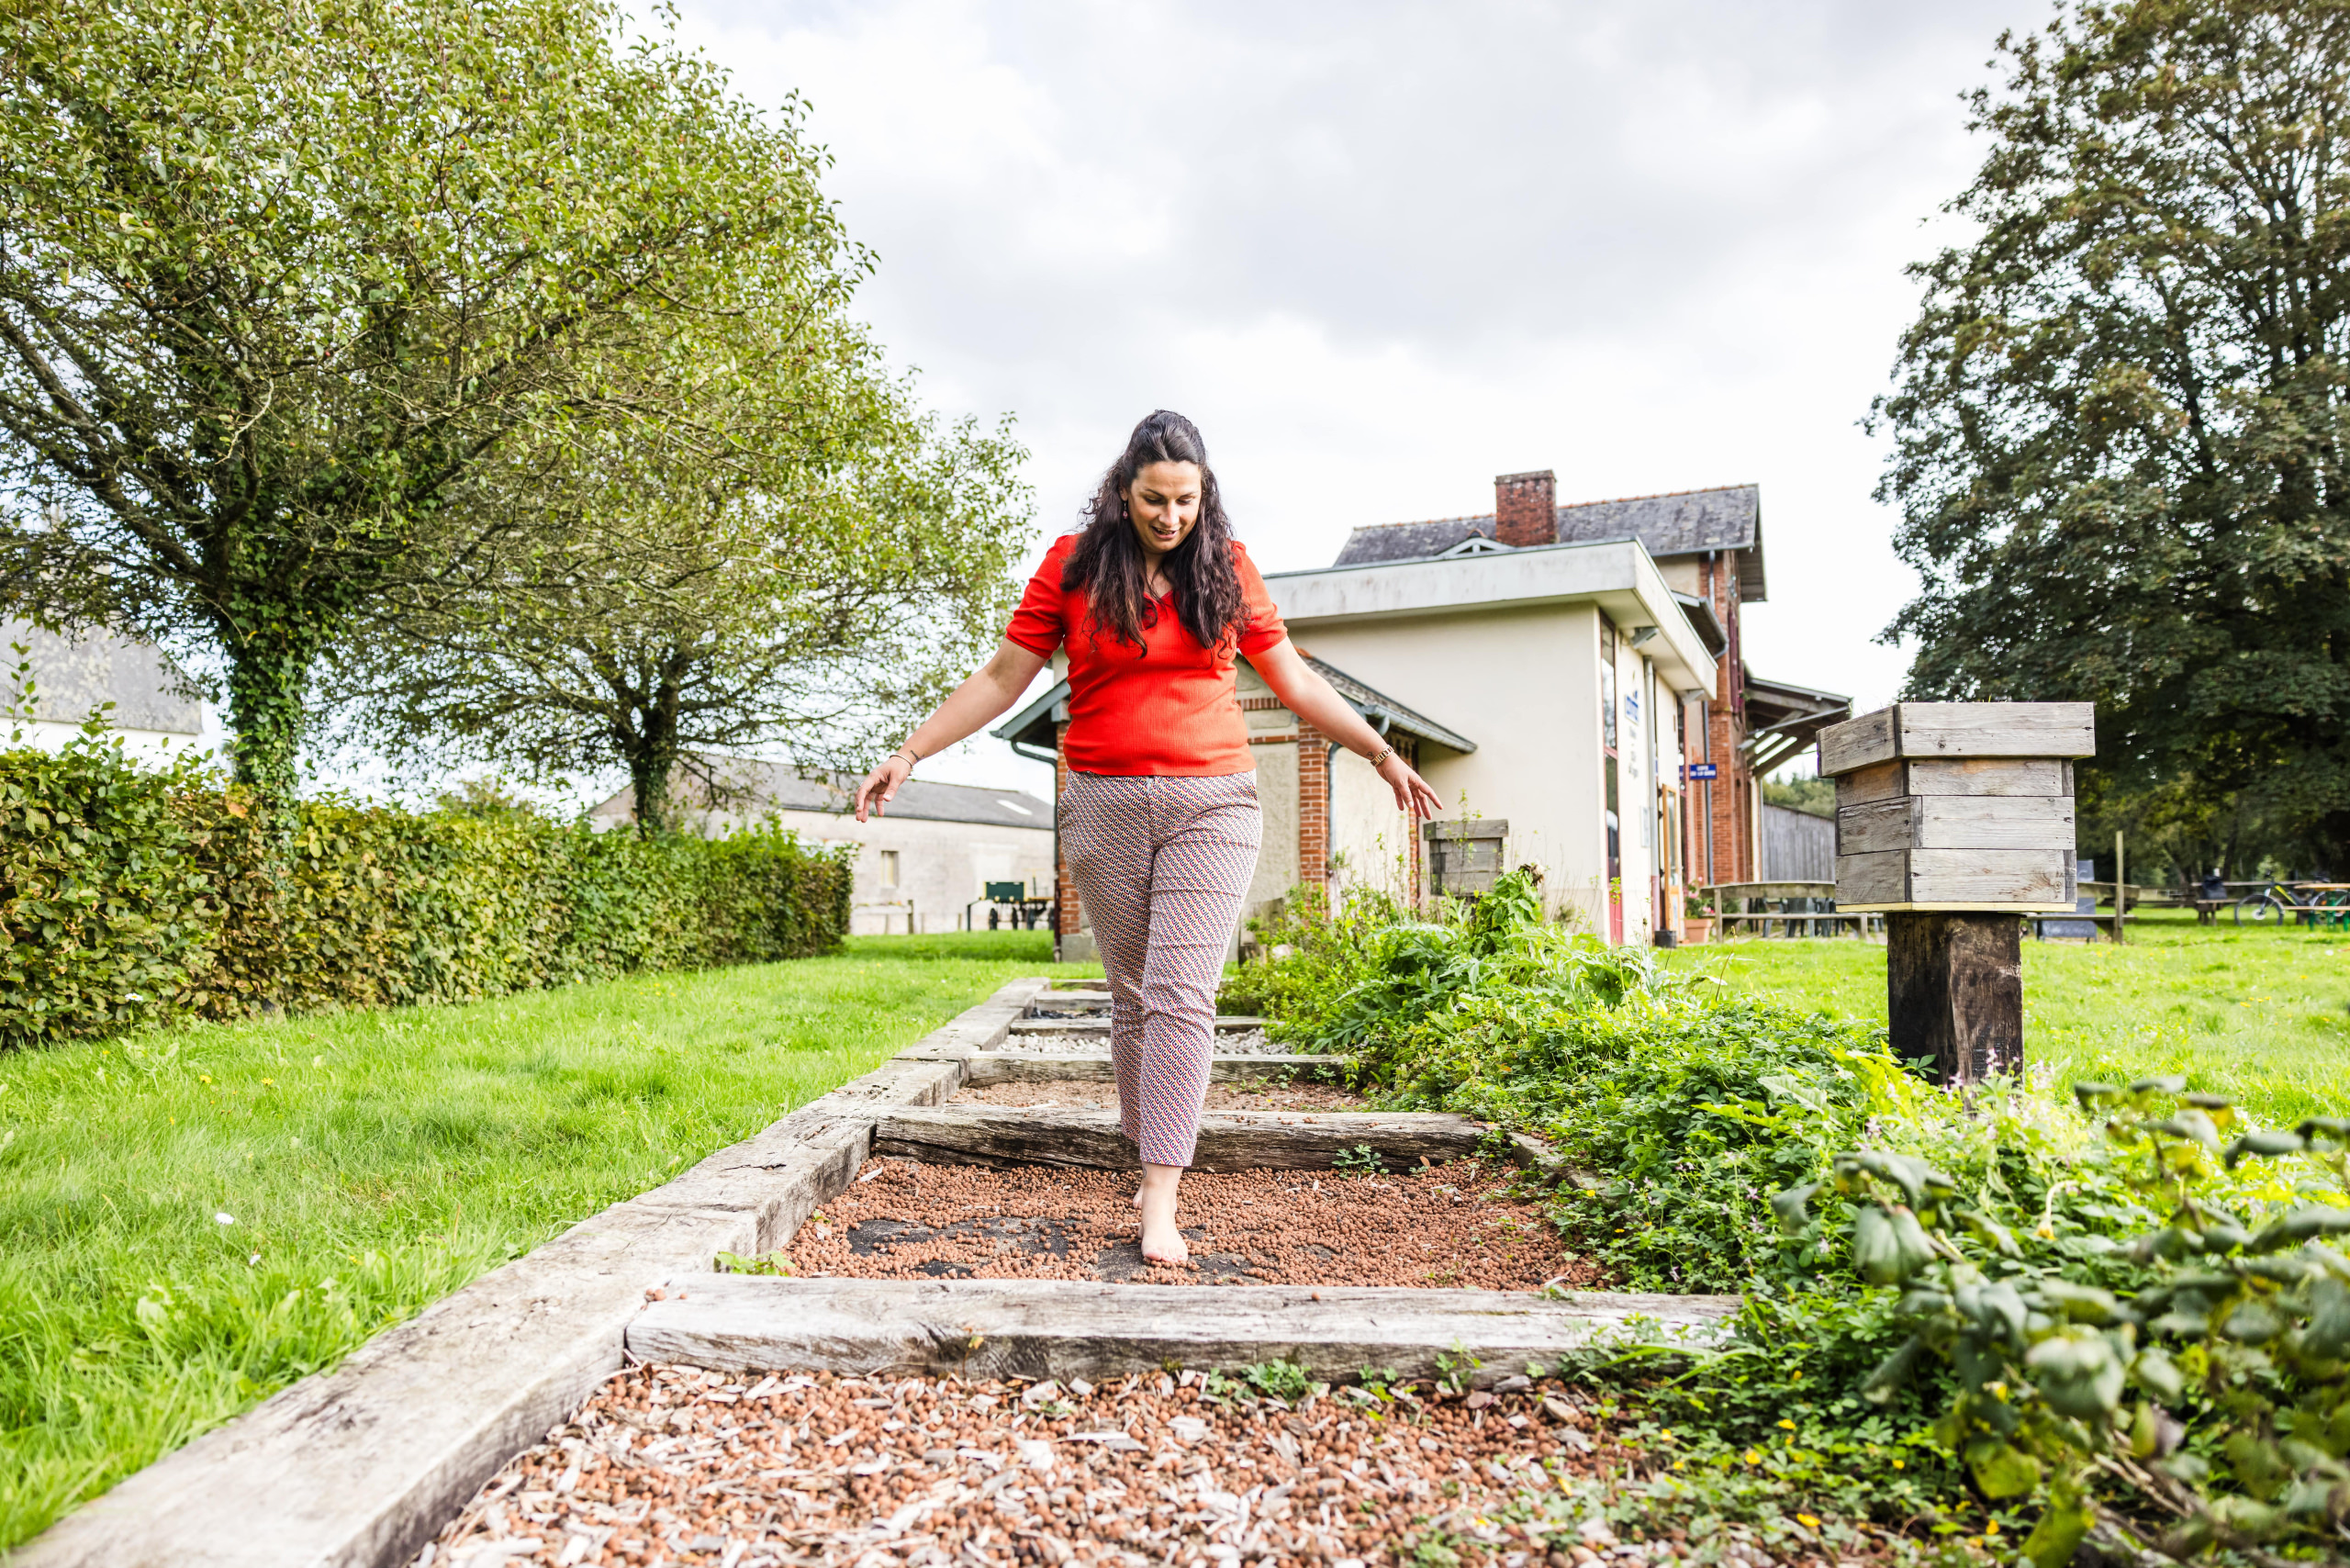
{"x":132,"y":894}
{"x":1944,"y":1298}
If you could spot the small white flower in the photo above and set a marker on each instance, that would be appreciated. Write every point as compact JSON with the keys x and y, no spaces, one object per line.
{"x":225,"y":1218}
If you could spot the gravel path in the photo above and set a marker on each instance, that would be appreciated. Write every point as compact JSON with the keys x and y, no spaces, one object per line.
{"x":1236,"y":1094}
{"x":1452,"y":1226}
{"x":1243,"y":1042}
{"x":671,"y":1464}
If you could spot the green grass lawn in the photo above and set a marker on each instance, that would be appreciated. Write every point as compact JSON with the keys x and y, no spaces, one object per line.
{"x":2262,"y":1014}
{"x":193,"y":1218}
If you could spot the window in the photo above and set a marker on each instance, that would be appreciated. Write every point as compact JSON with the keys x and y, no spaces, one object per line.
{"x":889,"y":867}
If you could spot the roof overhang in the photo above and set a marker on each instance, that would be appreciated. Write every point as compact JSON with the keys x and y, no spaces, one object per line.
{"x":1783,"y":719}
{"x":1034,"y":730}
{"x":1617,"y":576}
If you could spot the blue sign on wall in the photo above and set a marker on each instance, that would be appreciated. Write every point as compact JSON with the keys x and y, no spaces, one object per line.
{"x":1698,"y":770}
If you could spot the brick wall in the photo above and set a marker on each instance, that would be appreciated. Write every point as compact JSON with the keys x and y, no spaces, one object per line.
{"x":1313,"y":805}
{"x":1733,"y":790}
{"x":1526,"y":508}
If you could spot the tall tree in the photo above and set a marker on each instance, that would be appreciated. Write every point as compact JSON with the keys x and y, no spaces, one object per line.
{"x":286,"y":285}
{"x":800,"y":601}
{"x":2120,"y":417}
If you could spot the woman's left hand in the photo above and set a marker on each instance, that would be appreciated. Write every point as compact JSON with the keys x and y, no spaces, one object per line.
{"x":1412,"y":795}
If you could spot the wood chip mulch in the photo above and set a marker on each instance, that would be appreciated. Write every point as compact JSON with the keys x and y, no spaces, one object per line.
{"x":1263,"y":1095}
{"x":1458,"y":1226}
{"x":676,"y":1465}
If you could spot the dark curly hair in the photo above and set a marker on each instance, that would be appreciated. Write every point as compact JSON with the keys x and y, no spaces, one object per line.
{"x":1107,"y":564}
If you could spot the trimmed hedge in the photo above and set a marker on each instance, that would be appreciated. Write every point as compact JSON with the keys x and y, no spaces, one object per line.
{"x":129,"y":895}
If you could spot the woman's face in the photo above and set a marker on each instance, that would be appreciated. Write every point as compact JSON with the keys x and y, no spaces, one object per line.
{"x":1164,"y":502}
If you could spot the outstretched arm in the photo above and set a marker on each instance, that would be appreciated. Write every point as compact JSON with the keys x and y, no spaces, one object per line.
{"x":1305,"y":693}
{"x":986,"y":696}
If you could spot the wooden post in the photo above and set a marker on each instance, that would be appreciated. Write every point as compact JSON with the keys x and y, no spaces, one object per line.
{"x":2120,"y":887}
{"x":1952,"y":821}
{"x":1955,"y":992}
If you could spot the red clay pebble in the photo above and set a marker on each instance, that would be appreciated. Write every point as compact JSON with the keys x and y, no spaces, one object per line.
{"x":1243,"y":1094}
{"x":673,"y":1464}
{"x":1449,"y":1227}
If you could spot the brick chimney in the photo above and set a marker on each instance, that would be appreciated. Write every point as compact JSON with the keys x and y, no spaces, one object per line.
{"x":1526,"y":508}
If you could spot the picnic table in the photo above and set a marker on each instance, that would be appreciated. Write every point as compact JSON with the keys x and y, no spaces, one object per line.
{"x":1786,"y":909}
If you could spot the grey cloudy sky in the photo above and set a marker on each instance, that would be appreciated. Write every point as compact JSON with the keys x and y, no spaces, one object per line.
{"x":1384,"y":252}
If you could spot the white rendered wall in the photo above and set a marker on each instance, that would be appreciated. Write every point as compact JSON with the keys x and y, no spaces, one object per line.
{"x":142,"y":745}
{"x":1524,"y":685}
{"x":1369,"y":837}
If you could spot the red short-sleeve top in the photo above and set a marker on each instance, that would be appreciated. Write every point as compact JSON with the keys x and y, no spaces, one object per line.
{"x":1170,"y":709}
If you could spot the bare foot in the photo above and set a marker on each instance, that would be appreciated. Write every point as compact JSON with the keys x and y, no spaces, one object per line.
{"x":1161,"y":1241}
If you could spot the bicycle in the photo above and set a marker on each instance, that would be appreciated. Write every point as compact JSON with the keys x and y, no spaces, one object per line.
{"x":2273,"y":902}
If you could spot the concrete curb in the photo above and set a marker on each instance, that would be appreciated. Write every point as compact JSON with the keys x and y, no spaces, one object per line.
{"x":357,"y":1467}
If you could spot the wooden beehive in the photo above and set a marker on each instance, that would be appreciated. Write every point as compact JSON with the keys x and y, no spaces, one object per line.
{"x":1957,"y":805}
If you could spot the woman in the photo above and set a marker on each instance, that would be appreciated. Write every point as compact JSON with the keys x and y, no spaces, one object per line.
{"x":1154,"y":599}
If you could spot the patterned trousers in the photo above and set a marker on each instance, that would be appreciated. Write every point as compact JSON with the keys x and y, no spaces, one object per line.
{"x":1162,"y":865}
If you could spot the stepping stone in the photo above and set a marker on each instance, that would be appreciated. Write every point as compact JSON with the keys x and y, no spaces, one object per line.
{"x":1230,"y":1141}
{"x":1051,"y":1328}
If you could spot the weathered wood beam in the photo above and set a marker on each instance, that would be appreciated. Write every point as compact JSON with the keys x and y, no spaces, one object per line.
{"x":1230,"y":1141}
{"x":1019,"y":1066}
{"x":1954,"y":989}
{"x":1054,"y":1328}
{"x":1225,"y":1024}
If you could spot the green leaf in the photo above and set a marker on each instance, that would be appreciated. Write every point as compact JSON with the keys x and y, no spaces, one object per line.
{"x":2001,"y":1469}
{"x":2058,"y":1534}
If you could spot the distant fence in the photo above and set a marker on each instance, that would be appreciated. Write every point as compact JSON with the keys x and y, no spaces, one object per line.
{"x":1797,"y":847}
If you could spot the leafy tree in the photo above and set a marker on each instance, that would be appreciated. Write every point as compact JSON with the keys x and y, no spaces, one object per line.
{"x":801,"y":600}
{"x":2119,"y":416}
{"x":1814,"y":796}
{"x":292,"y":296}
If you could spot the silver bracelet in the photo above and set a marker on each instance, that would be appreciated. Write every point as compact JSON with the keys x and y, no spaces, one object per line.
{"x":909,"y":753}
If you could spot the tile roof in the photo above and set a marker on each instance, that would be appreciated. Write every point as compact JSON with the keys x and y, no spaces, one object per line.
{"x":1682,"y":522}
{"x":73,"y":675}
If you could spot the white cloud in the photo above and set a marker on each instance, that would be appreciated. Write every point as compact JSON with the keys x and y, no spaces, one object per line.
{"x":1381,"y":251}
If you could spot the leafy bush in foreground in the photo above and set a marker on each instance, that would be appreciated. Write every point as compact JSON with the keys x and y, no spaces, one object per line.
{"x":1685,"y":1113}
{"x":129,"y":895}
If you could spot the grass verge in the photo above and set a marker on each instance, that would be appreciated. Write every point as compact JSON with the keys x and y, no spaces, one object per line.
{"x":2259,"y":1015}
{"x":191,"y":1219}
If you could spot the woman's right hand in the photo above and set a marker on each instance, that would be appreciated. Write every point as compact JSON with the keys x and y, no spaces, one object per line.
{"x":880,"y":786}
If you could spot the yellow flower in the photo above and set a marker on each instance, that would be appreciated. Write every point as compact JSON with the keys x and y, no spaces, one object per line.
{"x":1807,"y":1521}
{"x":1896,"y":1464}
{"x":1790,"y":1426}
{"x":1753,"y":1457}
{"x":270,"y":1080}
{"x":204,"y":1078}
{"x":1990,"y":1529}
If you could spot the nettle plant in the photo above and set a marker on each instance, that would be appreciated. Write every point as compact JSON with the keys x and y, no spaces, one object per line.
{"x":2205,"y":1400}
